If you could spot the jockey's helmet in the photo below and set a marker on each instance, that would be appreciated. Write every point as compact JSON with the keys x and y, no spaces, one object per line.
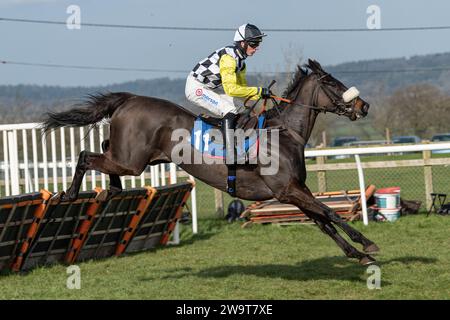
{"x":250,"y":34}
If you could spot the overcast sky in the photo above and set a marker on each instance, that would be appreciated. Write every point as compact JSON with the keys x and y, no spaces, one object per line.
{"x":181,"y":50}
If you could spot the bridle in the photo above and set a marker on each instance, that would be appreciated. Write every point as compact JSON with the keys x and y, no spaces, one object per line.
{"x":341,"y":107}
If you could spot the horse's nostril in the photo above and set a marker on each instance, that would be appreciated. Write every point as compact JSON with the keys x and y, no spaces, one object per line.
{"x":365,"y":108}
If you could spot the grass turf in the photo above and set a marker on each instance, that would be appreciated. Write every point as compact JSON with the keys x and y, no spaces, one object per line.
{"x":225,"y":261}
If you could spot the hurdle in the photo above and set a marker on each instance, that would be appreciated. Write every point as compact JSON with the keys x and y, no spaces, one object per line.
{"x":41,"y":229}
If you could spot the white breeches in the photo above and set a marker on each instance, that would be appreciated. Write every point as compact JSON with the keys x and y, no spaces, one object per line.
{"x":213,"y":100}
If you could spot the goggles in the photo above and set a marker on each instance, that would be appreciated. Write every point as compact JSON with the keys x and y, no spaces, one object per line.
{"x":254,"y":44}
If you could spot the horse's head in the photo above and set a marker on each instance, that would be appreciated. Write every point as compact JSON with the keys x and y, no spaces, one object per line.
{"x":333,"y":96}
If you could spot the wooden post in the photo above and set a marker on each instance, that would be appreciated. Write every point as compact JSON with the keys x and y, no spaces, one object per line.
{"x":324,"y":139}
{"x":321,"y":175}
{"x":218,"y":196}
{"x":388,"y":136}
{"x":428,"y":175}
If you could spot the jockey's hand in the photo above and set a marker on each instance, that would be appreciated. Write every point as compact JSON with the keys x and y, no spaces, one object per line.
{"x":265,"y":93}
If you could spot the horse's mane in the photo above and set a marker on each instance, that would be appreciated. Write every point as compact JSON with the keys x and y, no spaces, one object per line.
{"x":299,"y":76}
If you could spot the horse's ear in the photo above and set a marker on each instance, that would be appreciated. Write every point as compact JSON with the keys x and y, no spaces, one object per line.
{"x":315,"y":66}
{"x":318,"y":66}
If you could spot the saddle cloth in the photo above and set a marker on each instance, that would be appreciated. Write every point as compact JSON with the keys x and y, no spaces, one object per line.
{"x":206,"y":137}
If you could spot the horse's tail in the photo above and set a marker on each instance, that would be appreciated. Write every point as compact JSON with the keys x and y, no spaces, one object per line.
{"x":93,"y":110}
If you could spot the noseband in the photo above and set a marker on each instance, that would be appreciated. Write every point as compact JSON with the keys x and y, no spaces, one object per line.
{"x":342,"y":107}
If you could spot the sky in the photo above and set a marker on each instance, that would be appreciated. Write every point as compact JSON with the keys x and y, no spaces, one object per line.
{"x":181,"y":50}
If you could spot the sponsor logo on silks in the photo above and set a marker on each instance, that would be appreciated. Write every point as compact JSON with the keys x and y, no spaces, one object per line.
{"x":198,"y":92}
{"x":210,"y":100}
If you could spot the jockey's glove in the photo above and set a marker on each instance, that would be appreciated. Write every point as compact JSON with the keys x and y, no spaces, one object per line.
{"x":265,"y":93}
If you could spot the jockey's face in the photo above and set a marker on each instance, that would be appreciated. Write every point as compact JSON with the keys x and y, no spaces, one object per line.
{"x":250,"y":50}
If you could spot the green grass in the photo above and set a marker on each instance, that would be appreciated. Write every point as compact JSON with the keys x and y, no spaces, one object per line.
{"x":225,"y":261}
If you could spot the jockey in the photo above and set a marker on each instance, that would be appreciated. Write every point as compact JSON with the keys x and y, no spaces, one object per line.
{"x":218,"y":84}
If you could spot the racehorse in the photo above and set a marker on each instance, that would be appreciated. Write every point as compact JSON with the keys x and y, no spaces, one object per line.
{"x":140,"y":135}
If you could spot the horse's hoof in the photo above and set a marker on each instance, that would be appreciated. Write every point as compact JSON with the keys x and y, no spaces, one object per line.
{"x":114,"y":191}
{"x":58,"y":196}
{"x":373,"y":248}
{"x":65,"y":197}
{"x":102,"y":196}
{"x":366,"y":260}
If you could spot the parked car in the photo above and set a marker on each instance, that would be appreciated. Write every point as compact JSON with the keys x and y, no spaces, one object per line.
{"x":366,"y":143}
{"x":360,"y":143}
{"x":406,"y":139}
{"x":442,"y":137}
{"x":340,"y":141}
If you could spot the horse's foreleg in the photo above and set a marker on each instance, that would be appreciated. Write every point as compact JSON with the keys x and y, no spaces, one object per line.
{"x":115,"y":186}
{"x":356,"y":236}
{"x":303,"y":199}
{"x":349,"y":250}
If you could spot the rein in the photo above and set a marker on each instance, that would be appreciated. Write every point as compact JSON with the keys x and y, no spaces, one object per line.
{"x":340,"y":106}
{"x":291,"y":102}
{"x":277,"y":107}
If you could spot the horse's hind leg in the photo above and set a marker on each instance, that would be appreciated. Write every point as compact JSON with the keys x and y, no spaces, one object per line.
{"x":115,"y":185}
{"x":93,"y":161}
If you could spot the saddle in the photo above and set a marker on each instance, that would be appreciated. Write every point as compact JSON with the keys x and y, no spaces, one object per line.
{"x":243,"y":121}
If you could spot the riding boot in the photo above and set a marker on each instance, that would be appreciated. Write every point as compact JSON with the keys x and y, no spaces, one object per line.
{"x":228,"y":126}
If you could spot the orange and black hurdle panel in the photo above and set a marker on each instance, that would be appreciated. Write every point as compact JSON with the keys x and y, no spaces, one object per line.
{"x":135,"y":220}
{"x":16,"y":215}
{"x":157,"y":217}
{"x":112,"y":222}
{"x":83,"y":229}
{"x":39,"y":228}
{"x":58,"y":228}
{"x":171,"y":225}
{"x":38,"y":215}
{"x":148,"y":232}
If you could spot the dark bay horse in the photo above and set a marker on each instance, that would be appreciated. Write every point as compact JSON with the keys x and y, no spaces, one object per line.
{"x":141,"y":129}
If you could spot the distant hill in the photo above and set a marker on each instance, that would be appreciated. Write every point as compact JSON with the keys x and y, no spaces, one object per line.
{"x":20,"y":103}
{"x":388,"y":74}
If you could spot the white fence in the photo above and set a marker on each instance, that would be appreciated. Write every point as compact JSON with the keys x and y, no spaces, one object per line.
{"x":382,"y":150}
{"x":32,"y":161}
